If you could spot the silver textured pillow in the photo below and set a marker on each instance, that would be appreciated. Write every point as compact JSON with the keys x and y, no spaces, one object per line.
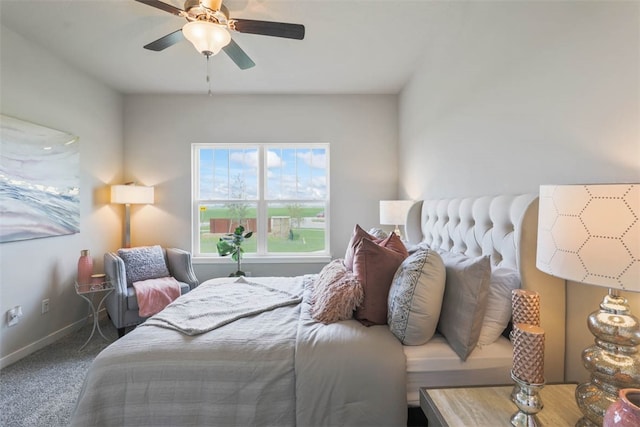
{"x":378,"y":233}
{"x":465,"y":301}
{"x":143,"y":263}
{"x":415,"y":297}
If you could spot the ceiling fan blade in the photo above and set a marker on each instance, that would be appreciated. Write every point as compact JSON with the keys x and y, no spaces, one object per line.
{"x":238,"y":55}
{"x":166,"y":41}
{"x":267,"y":28}
{"x":162,"y":6}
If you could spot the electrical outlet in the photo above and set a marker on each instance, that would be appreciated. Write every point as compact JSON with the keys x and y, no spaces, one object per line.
{"x":14,"y":315}
{"x":45,"y":306}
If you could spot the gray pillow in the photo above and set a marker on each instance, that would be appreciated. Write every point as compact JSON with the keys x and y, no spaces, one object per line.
{"x":465,"y":301}
{"x":498,"y":313}
{"x":143,"y":263}
{"x":415,"y":297}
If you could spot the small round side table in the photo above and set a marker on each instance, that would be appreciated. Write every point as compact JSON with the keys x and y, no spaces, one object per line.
{"x":87,"y":291}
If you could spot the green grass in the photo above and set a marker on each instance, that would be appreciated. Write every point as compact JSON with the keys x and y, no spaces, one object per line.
{"x":251,"y":212}
{"x":305,"y":240}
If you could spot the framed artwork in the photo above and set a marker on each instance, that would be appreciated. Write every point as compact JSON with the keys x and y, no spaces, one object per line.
{"x":39,"y":181}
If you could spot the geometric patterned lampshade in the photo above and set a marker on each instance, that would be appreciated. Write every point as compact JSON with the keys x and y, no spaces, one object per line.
{"x":591,"y":234}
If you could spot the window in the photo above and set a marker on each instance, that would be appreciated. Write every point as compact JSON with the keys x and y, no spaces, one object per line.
{"x":278,"y":191}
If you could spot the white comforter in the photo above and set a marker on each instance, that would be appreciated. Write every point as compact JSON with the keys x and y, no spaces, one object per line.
{"x":276,"y":368}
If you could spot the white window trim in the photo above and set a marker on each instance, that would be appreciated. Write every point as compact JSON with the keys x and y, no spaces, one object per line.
{"x":257,"y":258}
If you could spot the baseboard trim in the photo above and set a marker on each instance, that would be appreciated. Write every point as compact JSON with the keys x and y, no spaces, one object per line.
{"x":43,"y":342}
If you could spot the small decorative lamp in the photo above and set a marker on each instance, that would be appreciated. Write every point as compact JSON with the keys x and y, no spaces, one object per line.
{"x":394,"y":212}
{"x":591,"y":234}
{"x":130,"y":194}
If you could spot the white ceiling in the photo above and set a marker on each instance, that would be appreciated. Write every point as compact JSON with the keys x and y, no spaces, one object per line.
{"x":351,"y":46}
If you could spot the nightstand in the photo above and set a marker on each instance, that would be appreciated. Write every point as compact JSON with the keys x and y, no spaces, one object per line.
{"x":88,"y":291}
{"x":492,"y":406}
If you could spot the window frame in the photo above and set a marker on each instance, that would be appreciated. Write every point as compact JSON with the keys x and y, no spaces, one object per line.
{"x":261,"y":255}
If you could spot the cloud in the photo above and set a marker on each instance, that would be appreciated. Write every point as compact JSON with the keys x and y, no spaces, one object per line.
{"x":250,"y":158}
{"x":314,"y":160}
{"x":247,"y":158}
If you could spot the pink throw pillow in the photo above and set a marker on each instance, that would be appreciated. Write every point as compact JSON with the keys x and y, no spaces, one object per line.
{"x":392,"y":242}
{"x":375,"y":266}
{"x":336,"y":294}
{"x":356,"y":237}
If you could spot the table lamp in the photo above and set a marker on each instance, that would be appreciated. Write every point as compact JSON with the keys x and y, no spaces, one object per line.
{"x":590,"y":234}
{"x":394,"y":212}
{"x":130,"y":194}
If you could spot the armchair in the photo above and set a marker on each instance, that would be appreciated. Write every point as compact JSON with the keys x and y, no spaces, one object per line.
{"x":122,"y":304}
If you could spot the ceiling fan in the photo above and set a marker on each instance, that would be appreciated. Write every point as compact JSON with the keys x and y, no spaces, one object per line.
{"x":208,"y":29}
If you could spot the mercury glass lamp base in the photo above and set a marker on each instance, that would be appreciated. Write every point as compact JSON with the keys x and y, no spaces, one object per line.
{"x":584,"y":422}
{"x":613,"y":361}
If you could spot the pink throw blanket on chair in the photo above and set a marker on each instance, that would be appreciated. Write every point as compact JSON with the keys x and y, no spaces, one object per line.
{"x":155,"y":294}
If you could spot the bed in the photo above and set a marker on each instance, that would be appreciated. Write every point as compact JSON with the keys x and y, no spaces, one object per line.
{"x":504,"y":228}
{"x":279,"y":366}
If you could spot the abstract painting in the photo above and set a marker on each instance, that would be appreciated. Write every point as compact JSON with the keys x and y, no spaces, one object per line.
{"x":39,"y":181}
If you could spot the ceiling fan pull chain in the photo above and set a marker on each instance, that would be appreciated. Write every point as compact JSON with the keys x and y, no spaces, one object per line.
{"x":208,"y":78}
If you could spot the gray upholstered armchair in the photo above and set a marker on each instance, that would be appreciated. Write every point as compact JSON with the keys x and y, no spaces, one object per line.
{"x":122,"y":304}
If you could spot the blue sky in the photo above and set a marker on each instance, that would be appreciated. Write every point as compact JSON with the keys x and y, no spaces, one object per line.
{"x":293,"y":173}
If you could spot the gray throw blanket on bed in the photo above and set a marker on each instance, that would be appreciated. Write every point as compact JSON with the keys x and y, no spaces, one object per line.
{"x":210,"y":306}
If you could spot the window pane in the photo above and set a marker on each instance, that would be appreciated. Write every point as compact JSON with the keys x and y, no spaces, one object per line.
{"x":296,"y":227}
{"x":296,"y":173}
{"x":287,"y":184}
{"x":228,"y":174}
{"x":218,"y":219}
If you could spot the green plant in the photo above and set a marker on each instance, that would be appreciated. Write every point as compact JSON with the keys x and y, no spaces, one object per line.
{"x":231,"y":244}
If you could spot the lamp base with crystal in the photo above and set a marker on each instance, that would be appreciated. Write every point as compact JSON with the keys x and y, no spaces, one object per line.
{"x":613,"y":361}
{"x":397,"y":232}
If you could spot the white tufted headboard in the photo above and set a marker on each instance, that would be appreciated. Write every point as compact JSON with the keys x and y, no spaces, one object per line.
{"x":504,"y":227}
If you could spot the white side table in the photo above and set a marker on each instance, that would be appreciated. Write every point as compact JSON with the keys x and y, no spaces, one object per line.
{"x":87,"y":291}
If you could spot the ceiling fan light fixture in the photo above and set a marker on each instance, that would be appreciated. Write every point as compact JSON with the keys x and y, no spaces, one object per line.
{"x":208,"y":38}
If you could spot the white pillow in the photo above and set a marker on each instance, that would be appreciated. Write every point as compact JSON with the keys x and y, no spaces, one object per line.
{"x":496,"y":318}
{"x":415,"y":297}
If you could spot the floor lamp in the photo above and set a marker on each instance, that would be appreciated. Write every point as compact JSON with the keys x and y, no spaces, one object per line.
{"x":591,"y":234}
{"x":127,"y":195}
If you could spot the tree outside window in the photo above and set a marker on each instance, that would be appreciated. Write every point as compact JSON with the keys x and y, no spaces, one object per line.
{"x":278,"y":191}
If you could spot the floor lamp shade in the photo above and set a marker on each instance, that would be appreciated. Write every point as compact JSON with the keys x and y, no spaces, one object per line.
{"x":131,"y":194}
{"x":591,"y":234}
{"x":128,"y":195}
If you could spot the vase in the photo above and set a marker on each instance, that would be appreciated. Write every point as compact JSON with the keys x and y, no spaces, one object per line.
{"x":624,"y":412}
{"x":85,"y":267}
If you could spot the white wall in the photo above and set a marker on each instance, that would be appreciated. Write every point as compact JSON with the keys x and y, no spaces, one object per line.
{"x":509,"y":96}
{"x":40,"y":88}
{"x":522,"y":94}
{"x":362,"y":132}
